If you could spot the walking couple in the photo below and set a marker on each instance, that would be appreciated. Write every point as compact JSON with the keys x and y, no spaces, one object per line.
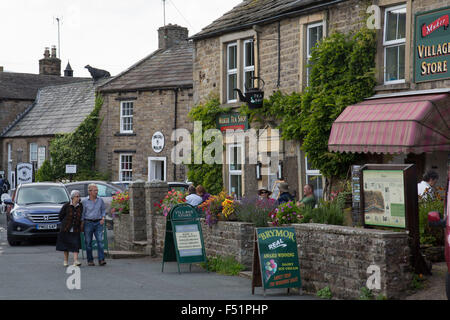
{"x":86,"y":216}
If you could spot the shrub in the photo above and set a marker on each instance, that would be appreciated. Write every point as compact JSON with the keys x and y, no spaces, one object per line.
{"x":328,"y":212}
{"x":255,"y":210}
{"x":227,"y":266}
{"x":214,"y":206}
{"x":325,"y":293}
{"x":435,"y":202}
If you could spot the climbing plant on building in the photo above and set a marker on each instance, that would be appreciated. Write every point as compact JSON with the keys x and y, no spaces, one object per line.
{"x":208,"y":175}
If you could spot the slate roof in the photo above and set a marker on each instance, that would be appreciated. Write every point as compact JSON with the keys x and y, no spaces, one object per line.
{"x":24,"y":86}
{"x":164,"y":68}
{"x":57,"y":109}
{"x":251,"y":12}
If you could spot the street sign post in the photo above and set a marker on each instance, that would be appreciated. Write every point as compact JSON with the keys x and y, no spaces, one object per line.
{"x":275,"y":259}
{"x":184,"y":239}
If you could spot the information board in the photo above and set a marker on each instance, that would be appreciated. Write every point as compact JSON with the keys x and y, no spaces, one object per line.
{"x":384,"y":198}
{"x":275,"y":259}
{"x":184,"y":239}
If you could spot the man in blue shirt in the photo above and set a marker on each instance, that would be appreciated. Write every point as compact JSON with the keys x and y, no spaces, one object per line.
{"x":94,"y":218}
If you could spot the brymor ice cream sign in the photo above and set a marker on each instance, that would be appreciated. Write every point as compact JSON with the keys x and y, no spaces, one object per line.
{"x":432,"y":45}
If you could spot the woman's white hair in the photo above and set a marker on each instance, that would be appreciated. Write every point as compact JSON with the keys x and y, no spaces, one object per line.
{"x":74,"y":193}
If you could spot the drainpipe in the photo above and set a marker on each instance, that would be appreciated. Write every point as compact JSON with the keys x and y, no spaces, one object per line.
{"x":174,"y":128}
{"x":279,"y":55}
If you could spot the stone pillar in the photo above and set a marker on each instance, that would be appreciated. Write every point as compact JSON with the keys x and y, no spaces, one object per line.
{"x":154,"y":192}
{"x":138,"y":211}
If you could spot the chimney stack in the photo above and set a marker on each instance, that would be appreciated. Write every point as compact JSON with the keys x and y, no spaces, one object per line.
{"x":171,"y":34}
{"x":68,"y":72}
{"x":50,"y":65}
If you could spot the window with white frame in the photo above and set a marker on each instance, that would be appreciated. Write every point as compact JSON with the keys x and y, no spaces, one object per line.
{"x":314,"y":178}
{"x":33,"y":152}
{"x":235,"y":161}
{"x":231,"y":71}
{"x":157,"y":168}
{"x":240,"y":67}
{"x":249,"y":64}
{"x":314,"y":35}
{"x":126,"y":117}
{"x":394,"y":44}
{"x":126,"y":167}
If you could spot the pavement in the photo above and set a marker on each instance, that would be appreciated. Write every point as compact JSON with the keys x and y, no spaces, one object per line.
{"x":34,"y":270}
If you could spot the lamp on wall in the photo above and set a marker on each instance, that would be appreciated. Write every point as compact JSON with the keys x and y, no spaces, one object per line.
{"x":280,"y":171}
{"x":258,"y":171}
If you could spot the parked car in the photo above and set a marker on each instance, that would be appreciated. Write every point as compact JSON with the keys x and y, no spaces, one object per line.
{"x":178,"y":186}
{"x":105,"y":191}
{"x":35,"y":210}
{"x":435,"y":220}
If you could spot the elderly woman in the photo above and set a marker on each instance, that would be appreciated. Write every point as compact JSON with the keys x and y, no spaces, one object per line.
{"x":71,"y":226}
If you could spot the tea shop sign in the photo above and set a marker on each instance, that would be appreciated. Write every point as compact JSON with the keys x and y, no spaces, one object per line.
{"x":232,"y":121}
{"x":432,"y":45}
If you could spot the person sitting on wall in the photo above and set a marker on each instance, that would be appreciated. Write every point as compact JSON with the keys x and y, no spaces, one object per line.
{"x":201,"y":192}
{"x":285,"y":196}
{"x":193,"y":199}
{"x":308,"y":197}
{"x":425,"y":187}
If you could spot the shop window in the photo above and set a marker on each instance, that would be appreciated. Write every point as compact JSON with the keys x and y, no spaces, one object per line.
{"x":314,"y":178}
{"x":314,"y":35}
{"x":126,"y":117}
{"x":394,"y":44}
{"x":249,"y":64}
{"x":235,"y":161}
{"x":157,"y":168}
{"x":126,"y":167}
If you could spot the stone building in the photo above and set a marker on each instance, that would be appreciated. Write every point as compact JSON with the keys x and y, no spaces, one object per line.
{"x":57,"y":109}
{"x":142,"y":106}
{"x":273,"y":40}
{"x":18,"y":91}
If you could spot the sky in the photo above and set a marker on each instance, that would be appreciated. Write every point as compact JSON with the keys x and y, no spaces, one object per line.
{"x":106,"y":34}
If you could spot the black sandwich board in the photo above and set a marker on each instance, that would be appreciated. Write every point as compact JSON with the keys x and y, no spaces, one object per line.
{"x":275,"y":259}
{"x":184,"y":238}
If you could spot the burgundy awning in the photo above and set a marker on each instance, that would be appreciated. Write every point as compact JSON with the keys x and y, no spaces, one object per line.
{"x":417,"y":123}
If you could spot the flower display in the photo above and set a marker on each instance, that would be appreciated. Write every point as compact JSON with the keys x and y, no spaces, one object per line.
{"x":218,"y":207}
{"x":286,"y":213}
{"x":171,"y":199}
{"x":120,"y":203}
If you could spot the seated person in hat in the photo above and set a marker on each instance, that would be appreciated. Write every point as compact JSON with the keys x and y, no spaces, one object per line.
{"x":264,"y":193}
{"x":285,"y":196}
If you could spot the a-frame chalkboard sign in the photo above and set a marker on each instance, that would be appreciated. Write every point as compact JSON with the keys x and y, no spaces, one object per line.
{"x":184,"y":238}
{"x":275,"y":259}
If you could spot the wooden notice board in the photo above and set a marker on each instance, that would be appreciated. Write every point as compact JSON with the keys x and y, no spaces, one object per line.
{"x":184,"y":239}
{"x":275,"y":259}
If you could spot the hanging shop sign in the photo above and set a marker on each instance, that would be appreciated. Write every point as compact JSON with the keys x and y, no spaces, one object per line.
{"x":158,"y":142}
{"x":432,"y":45}
{"x":275,"y":259}
{"x":184,"y":239}
{"x":232,"y":121}
{"x":254,"y":97}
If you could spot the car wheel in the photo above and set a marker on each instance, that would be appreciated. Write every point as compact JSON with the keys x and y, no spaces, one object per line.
{"x":447,"y":285}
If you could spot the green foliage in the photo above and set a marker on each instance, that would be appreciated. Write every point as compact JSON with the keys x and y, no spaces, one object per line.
{"x":227,"y":266}
{"x":254,"y":210}
{"x":417,"y":282}
{"x":77,"y":147}
{"x":327,"y":212}
{"x":342,"y":73}
{"x":366,"y":294}
{"x":45,"y":172}
{"x":325,"y":293}
{"x":208,"y":175}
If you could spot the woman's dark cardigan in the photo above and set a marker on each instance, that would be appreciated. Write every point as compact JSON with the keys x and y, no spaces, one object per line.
{"x":70,"y":216}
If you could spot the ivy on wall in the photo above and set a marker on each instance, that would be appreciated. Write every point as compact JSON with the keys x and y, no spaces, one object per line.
{"x":78,"y":147}
{"x":208,"y":175}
